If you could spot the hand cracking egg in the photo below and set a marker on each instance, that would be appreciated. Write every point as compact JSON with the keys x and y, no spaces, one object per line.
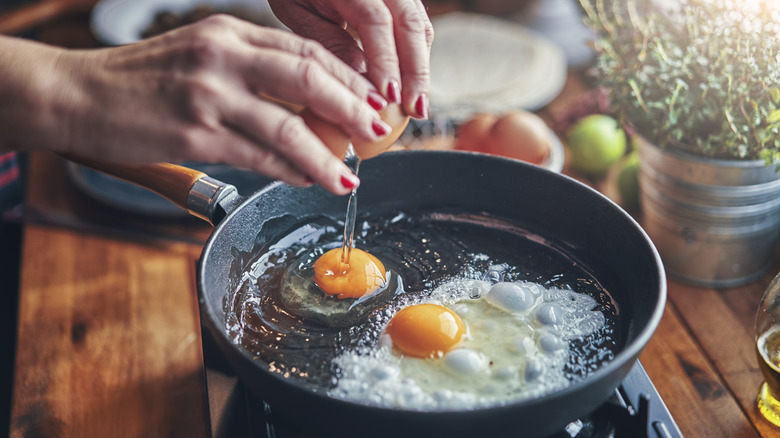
{"x":461,"y":349}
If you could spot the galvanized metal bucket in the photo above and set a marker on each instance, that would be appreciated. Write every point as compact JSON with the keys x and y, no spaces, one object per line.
{"x":715,"y":222}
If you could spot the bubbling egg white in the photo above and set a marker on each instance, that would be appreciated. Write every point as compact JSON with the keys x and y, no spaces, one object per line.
{"x":515,"y":346}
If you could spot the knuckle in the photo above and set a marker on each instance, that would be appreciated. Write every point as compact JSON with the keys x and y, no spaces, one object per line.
{"x":310,"y":74}
{"x":357,"y":83}
{"x":209,"y":40}
{"x":219,"y":20}
{"x":377,"y":14}
{"x":419,"y":75}
{"x":355,"y":110}
{"x":311,"y":49}
{"x":290,"y":131}
{"x":203,"y":49}
{"x":198,"y":93}
{"x":192,"y":141}
{"x":197,"y":124}
{"x":410,"y":20}
{"x":429,"y":33}
{"x":386,"y":59}
{"x":262,"y":159}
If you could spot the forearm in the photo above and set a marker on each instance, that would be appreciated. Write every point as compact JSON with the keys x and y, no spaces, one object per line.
{"x":189,"y":95}
{"x":34,"y":111}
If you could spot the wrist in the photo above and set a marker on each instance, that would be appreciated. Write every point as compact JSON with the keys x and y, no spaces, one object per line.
{"x":36,"y":109}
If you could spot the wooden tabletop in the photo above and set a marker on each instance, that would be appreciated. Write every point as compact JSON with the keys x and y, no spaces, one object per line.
{"x":109,"y":342}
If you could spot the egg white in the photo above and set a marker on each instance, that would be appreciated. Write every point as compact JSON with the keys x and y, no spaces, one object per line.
{"x":515,"y":347}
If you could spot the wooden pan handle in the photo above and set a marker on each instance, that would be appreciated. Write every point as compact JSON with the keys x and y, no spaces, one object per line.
{"x":170,"y":181}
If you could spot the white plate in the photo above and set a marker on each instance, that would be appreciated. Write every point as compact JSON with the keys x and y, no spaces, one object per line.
{"x":116,"y":22}
{"x":486,"y":64}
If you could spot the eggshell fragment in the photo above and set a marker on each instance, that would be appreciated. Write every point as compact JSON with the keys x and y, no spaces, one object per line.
{"x":394,"y":116}
{"x":338,"y":141}
{"x":333,"y":136}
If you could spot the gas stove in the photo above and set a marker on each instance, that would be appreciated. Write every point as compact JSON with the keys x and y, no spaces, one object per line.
{"x":634,"y":410}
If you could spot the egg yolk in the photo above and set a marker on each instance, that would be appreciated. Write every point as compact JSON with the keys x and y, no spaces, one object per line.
{"x":425,"y":330}
{"x":362,"y":275}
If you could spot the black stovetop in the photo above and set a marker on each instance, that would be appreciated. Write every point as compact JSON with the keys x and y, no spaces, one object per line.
{"x":634,"y":410}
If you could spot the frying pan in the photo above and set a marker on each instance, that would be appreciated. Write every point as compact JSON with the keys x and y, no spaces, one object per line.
{"x":586,"y":225}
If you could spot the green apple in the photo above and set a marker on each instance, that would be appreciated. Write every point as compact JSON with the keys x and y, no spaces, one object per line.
{"x":595,"y":143}
{"x":628,"y":180}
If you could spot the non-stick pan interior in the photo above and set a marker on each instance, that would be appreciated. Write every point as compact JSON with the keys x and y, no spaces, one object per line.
{"x":583,"y":223}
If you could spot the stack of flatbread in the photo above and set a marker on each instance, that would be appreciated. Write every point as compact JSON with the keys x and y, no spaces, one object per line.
{"x":487,"y":64}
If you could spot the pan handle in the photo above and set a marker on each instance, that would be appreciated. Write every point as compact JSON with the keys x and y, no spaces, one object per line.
{"x":192,"y":190}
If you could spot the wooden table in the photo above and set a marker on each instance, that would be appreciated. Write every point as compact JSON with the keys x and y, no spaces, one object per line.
{"x":109,"y":343}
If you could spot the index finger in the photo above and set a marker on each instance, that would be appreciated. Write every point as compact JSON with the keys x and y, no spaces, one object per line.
{"x":396,"y":36}
{"x":306,"y":48}
{"x":374,"y":22}
{"x":414,"y":37}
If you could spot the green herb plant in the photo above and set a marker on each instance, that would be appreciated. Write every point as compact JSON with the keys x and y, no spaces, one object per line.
{"x":699,"y":75}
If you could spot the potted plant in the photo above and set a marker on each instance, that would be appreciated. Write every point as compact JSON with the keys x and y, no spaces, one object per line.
{"x":699,"y":82}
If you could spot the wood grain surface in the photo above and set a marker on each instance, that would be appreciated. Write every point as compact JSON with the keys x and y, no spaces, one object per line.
{"x":109,"y":339}
{"x":109,"y":343}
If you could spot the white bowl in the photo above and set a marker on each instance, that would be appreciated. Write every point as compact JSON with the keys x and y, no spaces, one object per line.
{"x":117,"y":22}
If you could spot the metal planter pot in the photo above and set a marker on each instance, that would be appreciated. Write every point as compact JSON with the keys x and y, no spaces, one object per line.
{"x":715,"y":222}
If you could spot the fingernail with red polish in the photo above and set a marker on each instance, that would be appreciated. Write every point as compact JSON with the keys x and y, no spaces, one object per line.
{"x":393,"y":92}
{"x":308,"y":181}
{"x":376,"y":100}
{"x":421,"y":106}
{"x":349,"y":181}
{"x":380,"y":128}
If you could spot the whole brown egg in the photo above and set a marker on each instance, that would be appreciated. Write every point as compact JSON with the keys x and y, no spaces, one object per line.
{"x":521,"y":135}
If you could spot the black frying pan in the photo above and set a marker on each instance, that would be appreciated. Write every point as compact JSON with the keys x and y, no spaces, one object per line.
{"x":589,"y":227}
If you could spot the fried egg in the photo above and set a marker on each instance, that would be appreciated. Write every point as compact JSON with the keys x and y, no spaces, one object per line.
{"x":471,"y":343}
{"x":425,"y":330}
{"x":360,"y":275}
{"x":322,"y":288}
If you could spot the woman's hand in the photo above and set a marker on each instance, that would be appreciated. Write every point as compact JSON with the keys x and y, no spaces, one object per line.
{"x":190,"y":94}
{"x":395,"y":35}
